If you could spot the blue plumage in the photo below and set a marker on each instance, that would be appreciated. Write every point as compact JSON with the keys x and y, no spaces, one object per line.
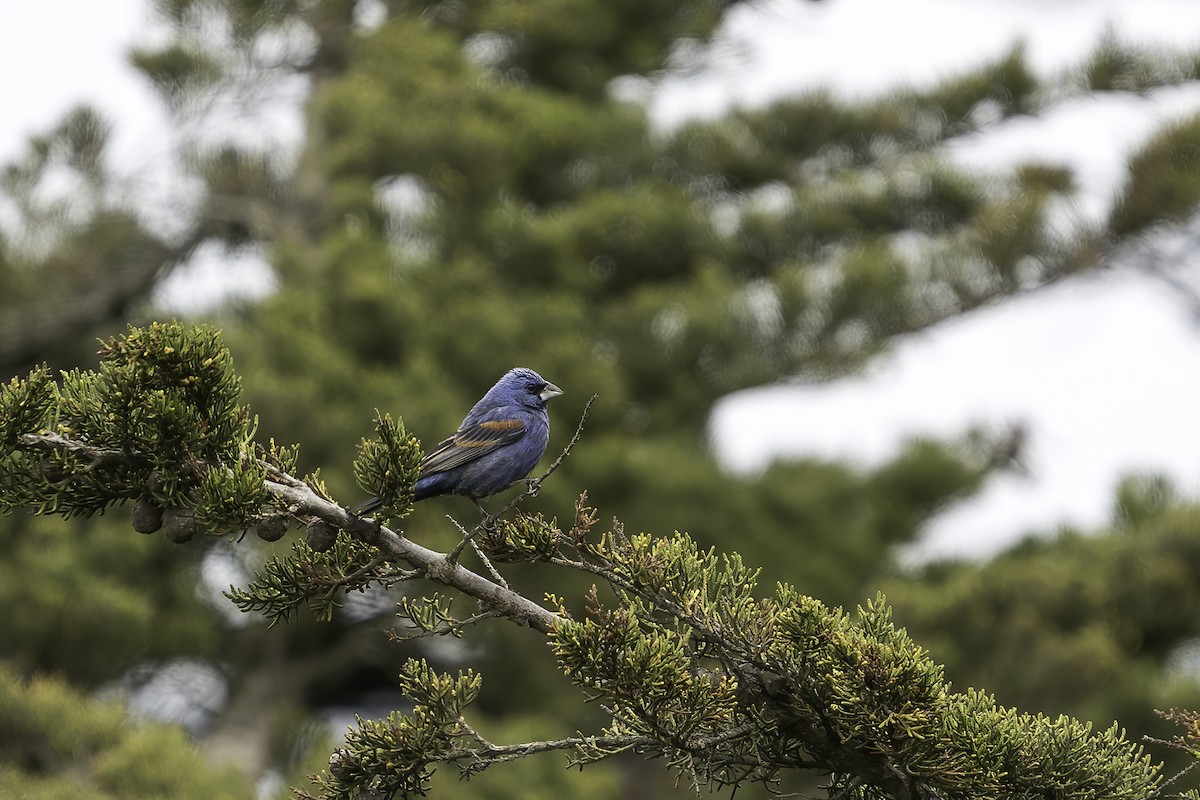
{"x":497,"y":444}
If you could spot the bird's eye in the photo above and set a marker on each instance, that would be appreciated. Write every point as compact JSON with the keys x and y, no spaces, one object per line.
{"x":535,"y":388}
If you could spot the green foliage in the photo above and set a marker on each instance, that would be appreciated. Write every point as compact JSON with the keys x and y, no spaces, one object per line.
{"x":1164,"y":182}
{"x":863,"y":683}
{"x":230,"y":172}
{"x":166,"y":390}
{"x":160,"y":422}
{"x":283,"y":457}
{"x":1007,"y":87}
{"x":429,"y":615}
{"x":1141,"y":498}
{"x":178,"y":71}
{"x":165,"y":398}
{"x":644,"y":675}
{"x":393,"y":755}
{"x":750,"y":149}
{"x":1117,"y":66}
{"x":308,"y":577}
{"x":72,"y":256}
{"x":76,"y":144}
{"x":580,"y":49}
{"x":89,"y":623}
{"x":225,"y":496}
{"x":730,"y":688}
{"x":57,"y":743}
{"x":24,"y":406}
{"x":1103,"y":615}
{"x":388,"y":466}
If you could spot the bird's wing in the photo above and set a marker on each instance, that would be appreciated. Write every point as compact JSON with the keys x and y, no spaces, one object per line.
{"x":470,"y":442}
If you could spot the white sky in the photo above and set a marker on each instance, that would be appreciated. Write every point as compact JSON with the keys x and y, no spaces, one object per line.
{"x":58,"y":53}
{"x":1105,"y":370}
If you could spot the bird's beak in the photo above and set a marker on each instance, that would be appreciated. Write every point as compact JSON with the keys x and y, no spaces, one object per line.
{"x":550,"y":391}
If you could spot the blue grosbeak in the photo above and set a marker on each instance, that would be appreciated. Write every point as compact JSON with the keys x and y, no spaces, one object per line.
{"x":498,"y":443}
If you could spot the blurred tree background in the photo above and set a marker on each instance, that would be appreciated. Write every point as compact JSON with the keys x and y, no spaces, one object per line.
{"x":470,"y":194}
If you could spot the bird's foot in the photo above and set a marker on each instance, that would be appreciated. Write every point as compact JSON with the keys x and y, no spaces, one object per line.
{"x":533,"y":486}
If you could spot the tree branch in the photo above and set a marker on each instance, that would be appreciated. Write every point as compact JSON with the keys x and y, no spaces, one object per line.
{"x":303,"y":501}
{"x":488,"y":754}
{"x":52,"y":441}
{"x":453,"y":628}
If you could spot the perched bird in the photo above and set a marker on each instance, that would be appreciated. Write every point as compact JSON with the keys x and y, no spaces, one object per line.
{"x":498,"y":443}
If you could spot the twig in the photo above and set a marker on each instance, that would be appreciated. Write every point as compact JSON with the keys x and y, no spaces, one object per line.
{"x":468,"y":537}
{"x":574,"y":439}
{"x":357,"y":575}
{"x":849,"y":789}
{"x":714,"y":739}
{"x":276,"y":474}
{"x":395,"y":576}
{"x":1174,"y":777}
{"x":474,"y":734}
{"x":489,"y":754}
{"x":443,"y":629}
{"x":52,"y":441}
{"x":487,"y":563}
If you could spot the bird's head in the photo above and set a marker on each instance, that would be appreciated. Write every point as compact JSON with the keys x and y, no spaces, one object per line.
{"x":524,"y":386}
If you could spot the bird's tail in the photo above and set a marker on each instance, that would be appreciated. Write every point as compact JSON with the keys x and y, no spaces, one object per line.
{"x":426,"y":486}
{"x":366,"y":507}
